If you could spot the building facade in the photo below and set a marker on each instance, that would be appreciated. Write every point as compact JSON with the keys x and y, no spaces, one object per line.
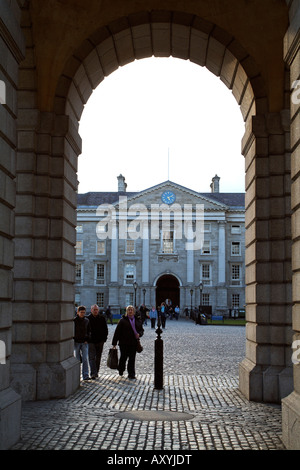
{"x":166,"y":242}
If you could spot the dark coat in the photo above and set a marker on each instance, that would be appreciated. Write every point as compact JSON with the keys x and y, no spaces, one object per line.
{"x":82,"y":329}
{"x":124,"y":334}
{"x":99,"y":330}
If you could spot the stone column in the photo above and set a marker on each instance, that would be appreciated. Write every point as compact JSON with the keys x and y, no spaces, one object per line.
{"x":43,"y":363}
{"x":291,"y":404}
{"x":12,"y":51}
{"x":221,"y":253}
{"x":146,"y":253}
{"x":265,"y":373}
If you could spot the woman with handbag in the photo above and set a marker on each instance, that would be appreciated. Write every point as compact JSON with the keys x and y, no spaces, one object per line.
{"x":127,"y":334}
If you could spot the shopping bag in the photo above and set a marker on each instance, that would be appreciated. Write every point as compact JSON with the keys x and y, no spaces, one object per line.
{"x":112,"y":360}
{"x":139,"y":347}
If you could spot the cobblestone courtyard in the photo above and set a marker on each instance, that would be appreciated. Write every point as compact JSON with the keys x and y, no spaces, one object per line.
{"x":200,"y":406}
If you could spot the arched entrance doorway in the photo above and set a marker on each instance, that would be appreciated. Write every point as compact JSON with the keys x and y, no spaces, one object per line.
{"x":167,"y":287}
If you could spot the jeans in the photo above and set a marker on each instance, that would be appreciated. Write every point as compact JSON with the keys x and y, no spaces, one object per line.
{"x":95,"y":353}
{"x":83,"y":348}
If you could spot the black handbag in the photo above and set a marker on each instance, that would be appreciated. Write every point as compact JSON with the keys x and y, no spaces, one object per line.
{"x":113,"y":360}
{"x":139,"y":347}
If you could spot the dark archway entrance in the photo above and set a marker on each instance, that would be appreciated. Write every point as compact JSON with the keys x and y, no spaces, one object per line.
{"x":167,"y":287}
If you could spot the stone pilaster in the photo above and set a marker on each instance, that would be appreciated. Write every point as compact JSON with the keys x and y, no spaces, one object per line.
{"x":12,"y":51}
{"x":266,"y":373}
{"x":43,"y":363}
{"x":291,"y":404}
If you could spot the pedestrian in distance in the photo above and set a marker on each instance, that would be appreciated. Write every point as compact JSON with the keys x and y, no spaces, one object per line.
{"x":153,"y":316}
{"x":128,"y":331}
{"x":108,"y":315}
{"x":81,"y":340}
{"x":163,"y":314}
{"x":98,"y":337}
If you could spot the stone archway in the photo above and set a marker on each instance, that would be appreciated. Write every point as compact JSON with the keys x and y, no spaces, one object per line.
{"x":165,"y":33}
{"x":167,"y":287}
{"x":48,"y":145}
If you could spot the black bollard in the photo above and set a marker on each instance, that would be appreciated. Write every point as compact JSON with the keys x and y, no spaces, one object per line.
{"x":158,"y":358}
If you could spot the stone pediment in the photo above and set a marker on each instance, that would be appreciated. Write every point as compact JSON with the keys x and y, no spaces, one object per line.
{"x":153,"y":196}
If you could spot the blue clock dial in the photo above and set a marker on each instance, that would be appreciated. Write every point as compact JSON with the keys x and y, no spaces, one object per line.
{"x":168,"y":197}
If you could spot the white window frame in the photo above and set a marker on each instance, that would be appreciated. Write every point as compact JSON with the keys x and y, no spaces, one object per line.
{"x":171,"y":242}
{"x":100,"y":279}
{"x":235,"y":245}
{"x":129,"y":298}
{"x":205,"y":299}
{"x":100,"y":299}
{"x":127,"y":242}
{"x":98,"y":244}
{"x":79,"y":279}
{"x":235,"y":296}
{"x":79,"y":247}
{"x":129,"y":274}
{"x":206,"y":280}
{"x":236,"y":280}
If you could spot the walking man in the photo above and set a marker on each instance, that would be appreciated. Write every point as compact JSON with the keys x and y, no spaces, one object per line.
{"x":81,"y":340}
{"x":99,"y":333}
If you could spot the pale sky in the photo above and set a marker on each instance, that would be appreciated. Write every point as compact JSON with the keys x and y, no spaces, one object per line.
{"x":158,"y":119}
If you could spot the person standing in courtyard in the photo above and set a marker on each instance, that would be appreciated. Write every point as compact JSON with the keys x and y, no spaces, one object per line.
{"x":99,"y":333}
{"x":153,"y":316}
{"x":81,"y":340}
{"x":128,"y":331}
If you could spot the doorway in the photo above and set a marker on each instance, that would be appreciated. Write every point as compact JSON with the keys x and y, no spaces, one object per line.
{"x":167,"y":287}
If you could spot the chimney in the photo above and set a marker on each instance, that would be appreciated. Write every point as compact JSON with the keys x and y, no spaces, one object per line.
{"x":121,"y":184}
{"x":215,"y":185}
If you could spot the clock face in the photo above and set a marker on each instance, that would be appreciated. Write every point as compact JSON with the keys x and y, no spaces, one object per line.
{"x":168,"y":197}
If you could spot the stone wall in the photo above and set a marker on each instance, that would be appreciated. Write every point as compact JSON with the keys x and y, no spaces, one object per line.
{"x":11,"y":53}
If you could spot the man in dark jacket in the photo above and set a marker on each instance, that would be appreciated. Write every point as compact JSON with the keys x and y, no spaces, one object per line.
{"x":81,"y":339}
{"x":128,"y":330}
{"x":98,"y":337}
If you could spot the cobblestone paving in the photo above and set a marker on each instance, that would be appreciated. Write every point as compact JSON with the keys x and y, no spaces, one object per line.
{"x":200,"y":380}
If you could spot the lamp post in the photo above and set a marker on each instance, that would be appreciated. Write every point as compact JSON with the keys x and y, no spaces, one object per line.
{"x":191,"y":292}
{"x":200,"y":289}
{"x":144,"y":294}
{"x":158,"y":357}
{"x":135,"y":285}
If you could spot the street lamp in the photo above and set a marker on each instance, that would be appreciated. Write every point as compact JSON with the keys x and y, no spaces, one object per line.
{"x":144,"y":294}
{"x":200,"y":289}
{"x":191,"y":292}
{"x":135,"y":286}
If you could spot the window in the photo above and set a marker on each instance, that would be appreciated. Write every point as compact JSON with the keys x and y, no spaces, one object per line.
{"x":100,"y":299}
{"x":235,"y":229}
{"x":79,"y":229}
{"x":129,"y":246}
{"x":235,"y":300}
{"x":100,"y":249}
{"x":78,"y":273}
{"x":205,"y":299}
{"x":236,"y":249}
{"x":129,"y":298}
{"x":100,"y":274}
{"x":206,"y":247}
{"x":129,"y":275}
{"x":79,"y":247}
{"x":77,"y":299}
{"x":205,"y":274}
{"x":206,"y":227}
{"x":168,"y":242}
{"x":235,"y":274}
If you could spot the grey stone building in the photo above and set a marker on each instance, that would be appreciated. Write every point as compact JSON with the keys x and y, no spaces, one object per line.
{"x":165,"y":242}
